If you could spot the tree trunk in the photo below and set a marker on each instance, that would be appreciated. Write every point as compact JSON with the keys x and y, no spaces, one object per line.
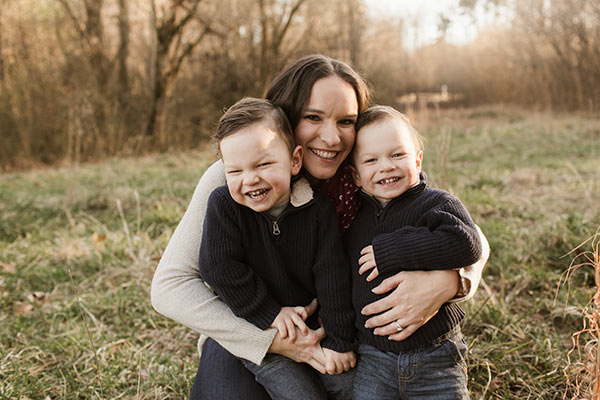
{"x":124,"y":30}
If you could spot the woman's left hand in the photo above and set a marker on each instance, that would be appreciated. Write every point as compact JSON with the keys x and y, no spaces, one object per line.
{"x":415,"y":297}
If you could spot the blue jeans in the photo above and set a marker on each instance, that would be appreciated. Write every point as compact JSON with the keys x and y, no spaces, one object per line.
{"x":221,"y":376}
{"x":285,"y":379}
{"x":437,"y":372}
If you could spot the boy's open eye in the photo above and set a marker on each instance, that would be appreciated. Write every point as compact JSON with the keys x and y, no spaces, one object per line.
{"x":397,"y":155}
{"x":369,"y":160}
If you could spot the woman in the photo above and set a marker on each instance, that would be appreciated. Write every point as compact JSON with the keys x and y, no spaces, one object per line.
{"x":322,"y":98}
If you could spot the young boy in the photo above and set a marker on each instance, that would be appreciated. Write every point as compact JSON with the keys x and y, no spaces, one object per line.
{"x":268,"y":245}
{"x":405,"y":225}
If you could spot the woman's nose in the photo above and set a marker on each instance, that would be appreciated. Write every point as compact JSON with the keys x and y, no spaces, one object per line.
{"x":329,"y":134}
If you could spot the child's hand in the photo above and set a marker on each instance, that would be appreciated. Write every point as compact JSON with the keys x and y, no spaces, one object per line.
{"x":336,"y":363}
{"x":288,"y":319}
{"x":366,"y":262}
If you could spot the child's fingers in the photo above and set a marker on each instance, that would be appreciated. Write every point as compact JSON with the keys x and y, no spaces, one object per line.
{"x":330,"y":366}
{"x":374,"y":274}
{"x":299,"y":322}
{"x":365,"y":259}
{"x":364,"y":268}
{"x":291,"y":328}
{"x":301,"y":311}
{"x":367,"y":249}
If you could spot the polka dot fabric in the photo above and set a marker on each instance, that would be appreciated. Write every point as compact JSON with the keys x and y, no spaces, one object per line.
{"x":342,"y":191}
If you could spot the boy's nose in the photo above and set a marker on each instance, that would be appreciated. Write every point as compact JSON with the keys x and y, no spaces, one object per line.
{"x":250,"y":178}
{"x":386,"y":165}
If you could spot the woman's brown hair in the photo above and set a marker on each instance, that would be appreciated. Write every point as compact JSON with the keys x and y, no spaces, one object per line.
{"x":290,"y":90}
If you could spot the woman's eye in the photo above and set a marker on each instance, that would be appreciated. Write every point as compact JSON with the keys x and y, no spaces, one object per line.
{"x":312,"y":117}
{"x":347,"y":122}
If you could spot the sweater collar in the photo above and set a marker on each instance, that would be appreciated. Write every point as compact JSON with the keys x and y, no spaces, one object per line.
{"x":301,"y":193}
{"x":418,"y":188}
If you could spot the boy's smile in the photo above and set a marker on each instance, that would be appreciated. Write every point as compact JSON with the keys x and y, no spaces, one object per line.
{"x":258,"y":166}
{"x":386,"y":160}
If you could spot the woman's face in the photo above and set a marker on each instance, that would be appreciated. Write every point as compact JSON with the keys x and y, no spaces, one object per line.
{"x":326,"y":128}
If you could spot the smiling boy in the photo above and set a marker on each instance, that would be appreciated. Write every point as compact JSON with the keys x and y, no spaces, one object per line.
{"x":405,"y":225}
{"x":270,"y":244}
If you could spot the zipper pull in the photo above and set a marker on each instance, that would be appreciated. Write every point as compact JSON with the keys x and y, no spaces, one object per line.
{"x":276,"y":230}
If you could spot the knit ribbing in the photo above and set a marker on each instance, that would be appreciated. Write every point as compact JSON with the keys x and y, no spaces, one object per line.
{"x":422,"y":229}
{"x":256,"y":272}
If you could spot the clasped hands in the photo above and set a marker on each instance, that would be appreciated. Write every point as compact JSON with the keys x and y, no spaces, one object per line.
{"x":292,"y":332}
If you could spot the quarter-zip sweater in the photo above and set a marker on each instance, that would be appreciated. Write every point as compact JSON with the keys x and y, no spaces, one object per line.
{"x":422,"y":229}
{"x":258,"y":264}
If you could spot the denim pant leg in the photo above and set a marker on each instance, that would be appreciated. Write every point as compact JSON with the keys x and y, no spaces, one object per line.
{"x":221,"y":376}
{"x":285,"y":379}
{"x":376,"y":375}
{"x":438,"y":372}
{"x":338,"y":386}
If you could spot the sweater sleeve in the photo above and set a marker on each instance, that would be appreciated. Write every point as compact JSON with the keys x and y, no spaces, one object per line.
{"x":179,"y":293}
{"x":445,"y":238}
{"x":222,"y":264}
{"x":471,"y":276}
{"x":333,"y":283}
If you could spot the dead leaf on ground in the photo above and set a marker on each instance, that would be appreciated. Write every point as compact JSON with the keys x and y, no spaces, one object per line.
{"x":10,"y":268}
{"x":98,"y":237}
{"x":22,"y":309}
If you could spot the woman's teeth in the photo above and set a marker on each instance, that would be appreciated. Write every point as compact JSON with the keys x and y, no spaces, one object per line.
{"x":388,"y":181}
{"x":258,"y":193}
{"x":324,"y":154}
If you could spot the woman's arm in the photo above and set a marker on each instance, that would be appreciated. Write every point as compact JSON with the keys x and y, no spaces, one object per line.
{"x":178,"y":292}
{"x":416,"y":296}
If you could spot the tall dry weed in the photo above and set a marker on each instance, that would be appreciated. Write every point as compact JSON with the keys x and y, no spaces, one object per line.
{"x":583,"y":371}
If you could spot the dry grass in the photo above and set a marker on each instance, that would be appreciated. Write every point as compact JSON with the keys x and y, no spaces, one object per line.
{"x":583,"y":373}
{"x":78,"y":247}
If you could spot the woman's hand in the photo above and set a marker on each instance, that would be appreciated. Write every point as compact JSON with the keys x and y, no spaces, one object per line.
{"x":415,"y":297}
{"x":305,"y":348}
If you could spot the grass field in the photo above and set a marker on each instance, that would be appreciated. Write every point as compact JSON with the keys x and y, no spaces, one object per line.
{"x":78,"y":247}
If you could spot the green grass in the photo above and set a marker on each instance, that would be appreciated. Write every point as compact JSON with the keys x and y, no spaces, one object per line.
{"x":76,"y":318}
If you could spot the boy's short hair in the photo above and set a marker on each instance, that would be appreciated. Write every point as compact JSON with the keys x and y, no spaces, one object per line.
{"x":250,"y":110}
{"x":380,"y":113}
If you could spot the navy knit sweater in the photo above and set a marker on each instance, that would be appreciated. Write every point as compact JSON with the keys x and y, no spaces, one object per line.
{"x":258,"y":264}
{"x":422,"y":229}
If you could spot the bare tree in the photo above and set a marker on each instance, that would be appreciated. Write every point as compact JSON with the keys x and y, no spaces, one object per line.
{"x":170,"y":52}
{"x":123,"y":49}
{"x":275,"y":20}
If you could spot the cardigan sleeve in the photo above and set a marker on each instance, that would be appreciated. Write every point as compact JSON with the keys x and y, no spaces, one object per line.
{"x":222,"y":264}
{"x":179,"y":293}
{"x":445,"y":238}
{"x":333,"y":283}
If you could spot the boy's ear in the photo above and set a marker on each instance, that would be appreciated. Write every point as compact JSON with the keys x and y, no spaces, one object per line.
{"x":355,"y":175}
{"x":297,"y":160}
{"x":419,"y":160}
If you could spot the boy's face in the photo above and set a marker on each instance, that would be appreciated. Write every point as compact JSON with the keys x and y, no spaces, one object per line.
{"x":258,"y":166}
{"x":386,"y":162}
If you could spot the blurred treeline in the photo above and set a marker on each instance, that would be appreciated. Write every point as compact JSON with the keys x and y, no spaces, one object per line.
{"x":84,"y":79}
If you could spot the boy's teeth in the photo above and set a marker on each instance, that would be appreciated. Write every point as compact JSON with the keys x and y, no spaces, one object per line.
{"x":325,"y":154}
{"x":388,"y":181}
{"x":257,"y":193}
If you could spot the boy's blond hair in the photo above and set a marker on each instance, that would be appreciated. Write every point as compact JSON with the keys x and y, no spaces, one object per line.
{"x":380,"y":113}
